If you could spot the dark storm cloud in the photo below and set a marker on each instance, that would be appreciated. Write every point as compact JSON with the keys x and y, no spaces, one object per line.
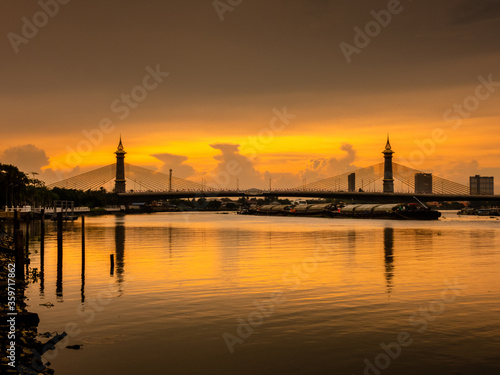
{"x":28,"y":158}
{"x":263,"y":54}
{"x":474,"y":11}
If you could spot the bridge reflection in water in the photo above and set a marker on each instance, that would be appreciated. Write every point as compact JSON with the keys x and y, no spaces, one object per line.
{"x":184,"y":279}
{"x":389,"y":257}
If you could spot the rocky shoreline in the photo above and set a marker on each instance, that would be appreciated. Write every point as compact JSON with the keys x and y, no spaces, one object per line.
{"x":24,"y":326}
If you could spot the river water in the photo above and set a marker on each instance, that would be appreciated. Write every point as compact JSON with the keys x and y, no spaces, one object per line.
{"x":207,"y":293}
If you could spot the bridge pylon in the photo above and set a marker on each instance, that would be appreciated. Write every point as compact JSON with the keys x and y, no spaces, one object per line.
{"x":388,"y":175}
{"x":120,"y":169}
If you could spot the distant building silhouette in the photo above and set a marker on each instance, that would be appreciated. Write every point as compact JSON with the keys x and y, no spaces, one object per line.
{"x":351,"y":182}
{"x":388,"y":176}
{"x":423,"y":183}
{"x":120,"y":169}
{"x":480,"y":185}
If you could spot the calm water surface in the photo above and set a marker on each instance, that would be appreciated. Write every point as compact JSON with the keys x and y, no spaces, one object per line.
{"x":207,"y":293}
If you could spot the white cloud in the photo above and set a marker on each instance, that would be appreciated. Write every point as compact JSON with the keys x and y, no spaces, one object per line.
{"x":176,"y":163}
{"x":233,"y":166}
{"x":321,"y":168}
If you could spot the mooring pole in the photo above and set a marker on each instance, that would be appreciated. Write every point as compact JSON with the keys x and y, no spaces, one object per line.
{"x":20,"y":256}
{"x":112,"y":261}
{"x":42,"y":238}
{"x":19,"y":248}
{"x":59,"y":287}
{"x":83,"y":237}
{"x":59,"y":233}
{"x":82,"y":290}
{"x":59,"y":280}
{"x":42,"y":249}
{"x":27,"y":246}
{"x":16,"y":219}
{"x":27,"y":237}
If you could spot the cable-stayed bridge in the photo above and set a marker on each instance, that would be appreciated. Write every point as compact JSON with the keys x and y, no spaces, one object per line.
{"x":138,"y":179}
{"x":136,"y":184}
{"x":367,"y":177}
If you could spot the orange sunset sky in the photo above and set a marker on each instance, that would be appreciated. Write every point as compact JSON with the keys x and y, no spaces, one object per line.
{"x":429,"y":76}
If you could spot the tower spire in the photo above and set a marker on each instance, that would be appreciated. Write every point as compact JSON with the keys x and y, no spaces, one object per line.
{"x":120,"y":145}
{"x":388,"y":175}
{"x":120,"y":168}
{"x":388,"y":144}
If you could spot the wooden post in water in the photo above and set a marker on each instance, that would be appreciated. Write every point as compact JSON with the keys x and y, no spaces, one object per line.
{"x":112,"y":260}
{"x":42,"y":238}
{"x":16,"y":219}
{"x":83,"y":237}
{"x":59,"y":280}
{"x":59,"y":233}
{"x":42,"y":250}
{"x":19,"y":248}
{"x":59,"y":287}
{"x":20,"y":256}
{"x":27,"y":245}
{"x":27,"y":234}
{"x":82,"y":290}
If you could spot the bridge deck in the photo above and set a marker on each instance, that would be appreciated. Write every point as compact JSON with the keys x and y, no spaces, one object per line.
{"x":360,"y":196}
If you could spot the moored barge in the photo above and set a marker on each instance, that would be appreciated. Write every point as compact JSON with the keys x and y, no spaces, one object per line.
{"x":395,"y":211}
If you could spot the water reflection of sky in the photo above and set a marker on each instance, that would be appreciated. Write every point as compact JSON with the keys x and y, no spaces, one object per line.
{"x":182,"y":280}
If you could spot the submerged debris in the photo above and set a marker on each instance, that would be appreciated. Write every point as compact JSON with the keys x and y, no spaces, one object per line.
{"x":47,"y":304}
{"x":74,"y":347}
